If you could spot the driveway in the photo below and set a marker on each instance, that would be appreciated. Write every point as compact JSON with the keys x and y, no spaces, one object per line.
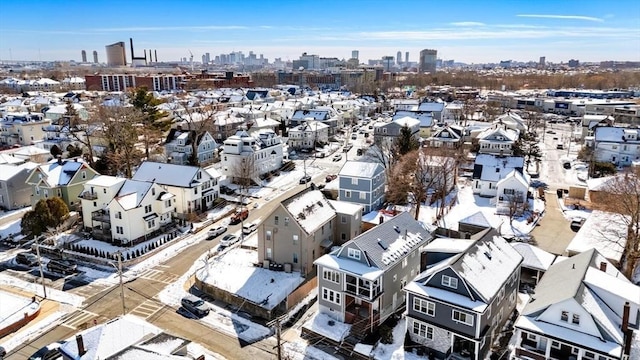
{"x":553,"y":233}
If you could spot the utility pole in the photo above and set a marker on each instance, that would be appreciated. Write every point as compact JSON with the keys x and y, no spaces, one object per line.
{"x":124,"y":309}
{"x":277,"y":322}
{"x":44,"y":288}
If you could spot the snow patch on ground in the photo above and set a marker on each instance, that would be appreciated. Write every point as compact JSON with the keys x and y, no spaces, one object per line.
{"x":300,"y":350}
{"x":324,"y":325}
{"x":15,"y":307}
{"x":395,"y":351}
{"x":11,"y":228}
{"x":52,"y":294}
{"x":29,"y":332}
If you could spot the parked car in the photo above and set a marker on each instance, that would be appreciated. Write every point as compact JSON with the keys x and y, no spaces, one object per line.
{"x":49,"y":352}
{"x":576,"y":223}
{"x":330,"y":178}
{"x":216,"y":232}
{"x":195,"y":305}
{"x":27,"y":258}
{"x":337,"y":157}
{"x":228,"y":240}
{"x":248,"y":228}
{"x":305,"y":179}
{"x":348,"y":147}
{"x":239,"y":216}
{"x":320,"y":155}
{"x":560,"y":147}
{"x":62,"y":266}
{"x":354,"y":136}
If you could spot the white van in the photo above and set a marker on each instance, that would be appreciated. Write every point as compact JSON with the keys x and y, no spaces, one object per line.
{"x":248,"y":228}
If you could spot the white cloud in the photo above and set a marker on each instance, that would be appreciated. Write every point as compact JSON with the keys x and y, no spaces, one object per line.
{"x":562,"y":17}
{"x":467,"y":23}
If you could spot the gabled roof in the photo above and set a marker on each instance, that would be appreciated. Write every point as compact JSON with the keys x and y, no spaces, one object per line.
{"x":533,"y":256}
{"x":9,"y":171}
{"x":167,"y":174}
{"x":407,"y":121}
{"x":360,"y":169}
{"x":431,"y":106}
{"x":609,"y":240}
{"x":490,"y":167}
{"x":515,"y":174}
{"x":391,"y":241}
{"x":60,"y":173}
{"x":310,"y":209}
{"x":132,"y":193}
{"x":476,"y":219}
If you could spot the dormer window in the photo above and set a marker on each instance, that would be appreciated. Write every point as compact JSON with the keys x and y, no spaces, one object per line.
{"x":449,"y":281}
{"x":354,"y":254}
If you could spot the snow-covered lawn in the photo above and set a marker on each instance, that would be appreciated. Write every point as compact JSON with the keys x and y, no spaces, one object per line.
{"x":10,"y":228}
{"x":30,"y":331}
{"x":324,"y":325}
{"x":395,"y":350}
{"x":219,"y":318}
{"x":235,"y":272}
{"x":300,"y":350}
{"x":15,"y":307}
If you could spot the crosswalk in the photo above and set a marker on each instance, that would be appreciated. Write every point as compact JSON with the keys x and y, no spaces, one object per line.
{"x":159,"y":276}
{"x":88,"y":291}
{"x":147,"y":309}
{"x":81,"y":319}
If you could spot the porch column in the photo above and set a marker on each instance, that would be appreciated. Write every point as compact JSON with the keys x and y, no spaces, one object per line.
{"x":547,"y":352}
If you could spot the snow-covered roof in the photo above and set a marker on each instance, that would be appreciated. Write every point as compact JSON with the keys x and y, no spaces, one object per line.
{"x":515,"y":174}
{"x":105,"y":181}
{"x":616,"y":135}
{"x":9,"y":171}
{"x":310,"y":209}
{"x":431,"y":106}
{"x":451,"y":297}
{"x":361,"y":169}
{"x":343,"y":207}
{"x":476,"y":219}
{"x":105,"y":340}
{"x":608,"y":240}
{"x":132,"y":193}
{"x":490,"y":167}
{"x":533,"y":256}
{"x":59,"y":174}
{"x":167,"y":174}
{"x":407,"y":121}
{"x":447,"y":245}
{"x":493,"y":134}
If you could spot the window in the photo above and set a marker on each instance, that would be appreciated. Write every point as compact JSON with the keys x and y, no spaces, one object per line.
{"x":332,"y":276}
{"x":147,"y":209}
{"x":268,"y":235}
{"x":286,"y":221}
{"x":84,"y":174}
{"x":295,"y":258}
{"x":195,"y":190}
{"x":424,"y":306}
{"x":119,"y":215}
{"x":153,"y":192}
{"x":276,"y":220}
{"x":353,"y":253}
{"x":449,"y":281}
{"x":151,"y":224}
{"x":363,"y":195}
{"x":509,"y":191}
{"x":354,"y":181}
{"x":46,"y":193}
{"x":269,"y":253}
{"x":343,"y":219}
{"x":343,"y":236}
{"x":295,"y":239}
{"x":347,"y":194}
{"x":564,"y":316}
{"x":331,"y":296}
{"x":404,"y":262}
{"x":576,"y":319}
{"x":421,"y":329}
{"x":555,"y":344}
{"x":589,"y":355}
{"x":119,"y":230}
{"x":461,"y":317}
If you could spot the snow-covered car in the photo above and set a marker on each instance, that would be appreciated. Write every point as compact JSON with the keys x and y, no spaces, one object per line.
{"x":576,"y":223}
{"x":216,"y":232}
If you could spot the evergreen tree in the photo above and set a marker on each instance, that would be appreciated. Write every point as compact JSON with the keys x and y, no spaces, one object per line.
{"x":406,"y":141}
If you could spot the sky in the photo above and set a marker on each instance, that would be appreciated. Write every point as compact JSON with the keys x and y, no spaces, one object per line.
{"x":465,"y":31}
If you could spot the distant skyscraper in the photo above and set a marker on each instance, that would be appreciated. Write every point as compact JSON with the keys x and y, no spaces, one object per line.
{"x":387,"y":61}
{"x":116,"y":54}
{"x":355,"y":54}
{"x":95,"y":56}
{"x":208,"y":57}
{"x":428,"y":60}
{"x":406,"y":58}
{"x":542,"y":62}
{"x":84,"y":56}
{"x":399,"y":58}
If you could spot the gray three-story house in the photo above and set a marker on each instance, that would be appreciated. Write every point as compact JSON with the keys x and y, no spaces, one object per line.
{"x":362,"y":183}
{"x":457,"y":306}
{"x":361,"y":282}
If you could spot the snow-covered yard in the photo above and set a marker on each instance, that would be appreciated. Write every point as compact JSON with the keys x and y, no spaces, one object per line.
{"x":235,"y":271}
{"x":15,"y":307}
{"x":395,"y":350}
{"x":324,"y":325}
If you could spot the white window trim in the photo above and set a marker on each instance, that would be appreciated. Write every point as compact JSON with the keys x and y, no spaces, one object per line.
{"x":353,"y":253}
{"x":330,"y":275}
{"x":450,"y":282}
{"x":428,"y":305}
{"x":326,"y":295}
{"x":467,"y":316}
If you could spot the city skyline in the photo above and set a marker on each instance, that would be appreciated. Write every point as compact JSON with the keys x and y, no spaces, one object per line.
{"x":470,"y":32}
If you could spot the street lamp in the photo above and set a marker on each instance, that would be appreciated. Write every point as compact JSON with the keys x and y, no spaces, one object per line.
{"x":44,"y":288}
{"x":119,"y":270}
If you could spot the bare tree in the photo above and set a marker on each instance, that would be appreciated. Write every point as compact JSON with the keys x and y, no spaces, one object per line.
{"x":121,"y":136}
{"x":199,"y":118}
{"x":516,"y":205}
{"x":383,"y":152}
{"x":621,"y":195}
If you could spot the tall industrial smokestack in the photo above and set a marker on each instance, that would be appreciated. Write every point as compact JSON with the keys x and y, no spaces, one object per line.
{"x":145,"y":56}
{"x":131,"y":42}
{"x":156,"y":52}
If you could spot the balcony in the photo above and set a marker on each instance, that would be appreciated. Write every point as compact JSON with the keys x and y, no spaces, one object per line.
{"x":365,"y":289}
{"x":101,"y":216}
{"x":88,"y":195}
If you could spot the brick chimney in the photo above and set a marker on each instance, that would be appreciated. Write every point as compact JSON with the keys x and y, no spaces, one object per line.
{"x":80,"y":343}
{"x":603,"y":266}
{"x":381,"y":219}
{"x":59,"y":159}
{"x":626,"y":332}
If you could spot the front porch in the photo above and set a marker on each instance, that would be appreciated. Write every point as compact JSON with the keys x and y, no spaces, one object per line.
{"x":363,"y":316}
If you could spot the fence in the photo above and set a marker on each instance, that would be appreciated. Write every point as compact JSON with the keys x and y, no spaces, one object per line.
{"x":297,"y":295}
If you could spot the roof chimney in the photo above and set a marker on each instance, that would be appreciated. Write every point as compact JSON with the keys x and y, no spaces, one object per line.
{"x":80,"y":343}
{"x":59,"y":159}
{"x":603,"y":266}
{"x":626,"y":332}
{"x":381,"y":219}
